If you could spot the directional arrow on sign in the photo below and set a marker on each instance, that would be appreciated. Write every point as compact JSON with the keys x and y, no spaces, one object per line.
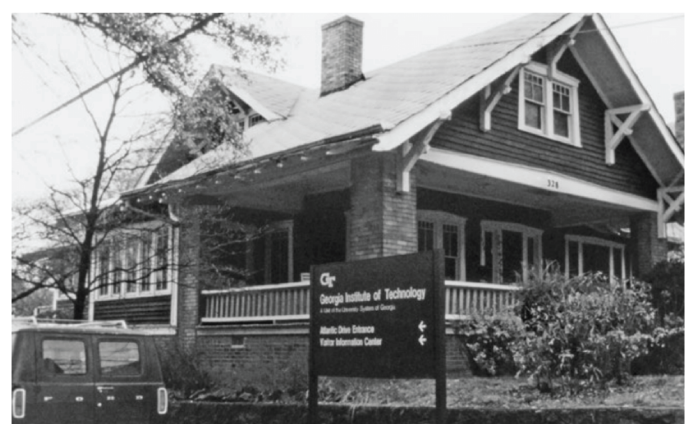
{"x":422,"y":326}
{"x":422,"y":340}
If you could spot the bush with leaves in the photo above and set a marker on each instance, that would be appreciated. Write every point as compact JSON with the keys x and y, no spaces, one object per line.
{"x":583,"y":331}
{"x":184,"y":372}
{"x":485,"y":341}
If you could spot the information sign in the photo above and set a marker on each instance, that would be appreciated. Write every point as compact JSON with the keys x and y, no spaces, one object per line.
{"x":381,"y":318}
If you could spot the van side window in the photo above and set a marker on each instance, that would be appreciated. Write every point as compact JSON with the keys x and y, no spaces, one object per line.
{"x":63,"y":357}
{"x":120,"y":358}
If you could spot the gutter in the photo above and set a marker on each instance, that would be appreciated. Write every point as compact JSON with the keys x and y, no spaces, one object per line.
{"x":363,"y":137}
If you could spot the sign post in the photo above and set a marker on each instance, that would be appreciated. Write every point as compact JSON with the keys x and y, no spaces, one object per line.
{"x":379,"y":318}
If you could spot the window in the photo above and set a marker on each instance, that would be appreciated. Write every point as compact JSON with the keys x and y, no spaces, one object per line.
{"x":254,"y":119}
{"x":440,"y":230}
{"x":63,"y":357}
{"x":277,"y":244}
{"x":591,"y":255}
{"x":119,"y":358}
{"x":508,"y":250}
{"x":549,"y":105}
{"x":137,"y":261}
{"x":102,"y":269}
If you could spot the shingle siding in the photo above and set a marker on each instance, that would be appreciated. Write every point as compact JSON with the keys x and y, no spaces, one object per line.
{"x":506,"y":143}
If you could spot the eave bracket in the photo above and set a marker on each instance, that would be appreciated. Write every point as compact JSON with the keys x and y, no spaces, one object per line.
{"x":624,"y":127}
{"x":409,"y":153}
{"x":490,"y":99}
{"x":671,"y":199}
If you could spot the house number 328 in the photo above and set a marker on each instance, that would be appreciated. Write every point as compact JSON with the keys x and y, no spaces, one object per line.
{"x":552,"y":184}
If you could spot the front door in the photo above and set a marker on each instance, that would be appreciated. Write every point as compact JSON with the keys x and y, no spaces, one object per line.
{"x":65,"y":381}
{"x":124,"y":393}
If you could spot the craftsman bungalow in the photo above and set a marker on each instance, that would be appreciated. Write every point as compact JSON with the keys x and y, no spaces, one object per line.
{"x":531,"y":142}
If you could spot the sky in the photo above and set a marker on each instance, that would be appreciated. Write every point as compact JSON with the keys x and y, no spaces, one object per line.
{"x":654,"y":44}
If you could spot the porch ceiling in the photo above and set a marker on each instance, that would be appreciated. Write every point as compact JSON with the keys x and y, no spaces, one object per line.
{"x":281,"y":189}
{"x":566,"y":209}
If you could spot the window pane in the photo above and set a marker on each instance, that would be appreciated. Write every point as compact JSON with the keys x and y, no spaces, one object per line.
{"x":573,"y":259}
{"x":485,"y":273}
{"x":561,"y":124}
{"x":617,"y":257}
{"x":450,"y":244}
{"x":146,"y":257}
{"x":62,"y":356}
{"x":534,"y":88}
{"x":103,"y":270}
{"x":116,"y":266}
{"x":533,"y":115}
{"x":130,"y":263}
{"x":512,"y":256}
{"x":596,"y":258}
{"x":161,"y":258}
{"x":119,"y":358}
{"x":425,"y":236}
{"x":279,"y":257}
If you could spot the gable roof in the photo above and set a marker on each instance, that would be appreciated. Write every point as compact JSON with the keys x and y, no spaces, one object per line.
{"x":399,"y":100}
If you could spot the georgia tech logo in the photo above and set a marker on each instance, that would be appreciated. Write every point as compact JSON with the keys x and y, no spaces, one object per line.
{"x":327,"y":280}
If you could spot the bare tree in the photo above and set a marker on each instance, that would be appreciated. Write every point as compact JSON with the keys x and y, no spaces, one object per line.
{"x":83,"y":224}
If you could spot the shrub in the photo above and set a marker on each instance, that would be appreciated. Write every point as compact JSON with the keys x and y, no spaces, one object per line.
{"x":583,"y":331}
{"x":485,"y":340}
{"x":183,"y":371}
{"x":667,"y":280}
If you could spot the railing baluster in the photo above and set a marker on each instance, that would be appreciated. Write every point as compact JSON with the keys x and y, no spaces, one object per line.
{"x":293,"y":301}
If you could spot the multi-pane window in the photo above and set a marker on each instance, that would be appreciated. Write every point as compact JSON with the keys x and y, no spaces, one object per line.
{"x":136,"y":261}
{"x":509,"y":250}
{"x":255,"y":119}
{"x":549,"y":104}
{"x":590,"y":255}
{"x":440,"y":230}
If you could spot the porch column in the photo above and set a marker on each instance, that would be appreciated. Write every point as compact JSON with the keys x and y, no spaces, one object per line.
{"x":188,"y":282}
{"x":646,"y":244}
{"x":381,"y":222}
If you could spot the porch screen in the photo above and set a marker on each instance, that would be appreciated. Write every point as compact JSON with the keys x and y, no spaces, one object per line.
{"x":508,"y":250}
{"x":591,"y":255}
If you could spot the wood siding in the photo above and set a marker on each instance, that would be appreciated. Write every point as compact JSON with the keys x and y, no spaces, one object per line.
{"x":143,"y":310}
{"x":506,"y":143}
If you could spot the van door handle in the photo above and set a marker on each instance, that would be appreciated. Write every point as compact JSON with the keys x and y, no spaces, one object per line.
{"x":102,"y":389}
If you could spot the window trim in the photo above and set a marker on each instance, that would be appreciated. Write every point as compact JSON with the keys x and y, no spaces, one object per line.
{"x":439,"y":219}
{"x":580,"y":240}
{"x":123,"y":235}
{"x":497,"y":228}
{"x":561,"y":79}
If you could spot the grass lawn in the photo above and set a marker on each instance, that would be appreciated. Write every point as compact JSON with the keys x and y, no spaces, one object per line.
{"x":656,"y":391}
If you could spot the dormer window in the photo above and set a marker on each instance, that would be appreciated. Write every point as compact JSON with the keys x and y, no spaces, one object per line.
{"x":548,"y":105}
{"x":254,"y":119}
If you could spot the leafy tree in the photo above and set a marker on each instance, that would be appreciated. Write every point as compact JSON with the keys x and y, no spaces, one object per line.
{"x":76,"y":222}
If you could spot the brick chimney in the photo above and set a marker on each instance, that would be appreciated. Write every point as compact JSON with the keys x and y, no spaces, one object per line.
{"x":679,"y":101}
{"x":341,"y":65}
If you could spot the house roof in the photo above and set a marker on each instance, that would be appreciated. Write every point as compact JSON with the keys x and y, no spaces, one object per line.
{"x":401,"y":99}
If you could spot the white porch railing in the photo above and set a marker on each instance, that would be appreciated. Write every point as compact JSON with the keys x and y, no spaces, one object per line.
{"x":283,"y":302}
{"x":463,"y":298}
{"x":290,"y":301}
